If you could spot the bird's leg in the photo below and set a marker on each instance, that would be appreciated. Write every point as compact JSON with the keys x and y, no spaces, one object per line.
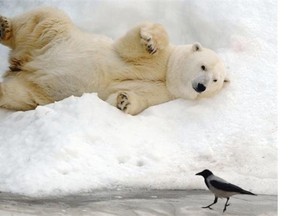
{"x":226,"y":204}
{"x":215,"y":201}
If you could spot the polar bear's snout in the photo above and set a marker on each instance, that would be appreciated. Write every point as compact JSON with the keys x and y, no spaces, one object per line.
{"x":199,"y":87}
{"x":200,"y":83}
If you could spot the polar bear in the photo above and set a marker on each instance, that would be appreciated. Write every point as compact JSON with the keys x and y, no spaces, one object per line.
{"x":51,"y":59}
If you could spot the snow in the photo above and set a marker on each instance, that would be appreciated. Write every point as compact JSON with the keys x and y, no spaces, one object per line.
{"x":83,"y":144}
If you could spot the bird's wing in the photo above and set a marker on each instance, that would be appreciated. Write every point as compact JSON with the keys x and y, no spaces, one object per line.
{"x":225,"y":186}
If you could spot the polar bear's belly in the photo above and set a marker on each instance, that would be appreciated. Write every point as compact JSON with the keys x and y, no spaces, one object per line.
{"x":71,"y":70}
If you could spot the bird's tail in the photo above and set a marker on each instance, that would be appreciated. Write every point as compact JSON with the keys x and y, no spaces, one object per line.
{"x":247,"y":192}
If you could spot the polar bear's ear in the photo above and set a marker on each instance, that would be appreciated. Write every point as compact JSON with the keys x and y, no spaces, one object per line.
{"x":196,"y":47}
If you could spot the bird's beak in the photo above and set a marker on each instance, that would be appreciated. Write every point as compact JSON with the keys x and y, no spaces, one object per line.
{"x":198,"y":173}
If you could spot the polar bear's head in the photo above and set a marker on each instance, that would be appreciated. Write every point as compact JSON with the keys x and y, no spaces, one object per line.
{"x":194,"y":71}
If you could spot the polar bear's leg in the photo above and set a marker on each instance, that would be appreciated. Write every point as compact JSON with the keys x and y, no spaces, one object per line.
{"x":144,"y":41}
{"x":133,"y":97}
{"x":34,"y":29}
{"x":28,"y":33}
{"x":18,"y":94}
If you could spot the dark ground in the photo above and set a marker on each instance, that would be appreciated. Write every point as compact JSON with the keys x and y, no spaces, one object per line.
{"x":137,"y":202}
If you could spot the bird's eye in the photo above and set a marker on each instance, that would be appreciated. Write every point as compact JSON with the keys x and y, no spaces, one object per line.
{"x":215,"y":80}
{"x":203,"y":67}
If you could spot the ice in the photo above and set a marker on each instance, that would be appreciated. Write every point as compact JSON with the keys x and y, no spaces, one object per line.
{"x":82,"y":144}
{"x":137,"y":202}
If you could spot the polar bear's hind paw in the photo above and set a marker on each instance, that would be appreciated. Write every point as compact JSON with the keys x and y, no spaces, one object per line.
{"x":5,"y":28}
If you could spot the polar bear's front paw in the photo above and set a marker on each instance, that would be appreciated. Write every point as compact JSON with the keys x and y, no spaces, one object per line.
{"x":123,"y":101}
{"x":5,"y":28}
{"x":148,"y":42}
{"x":153,"y":37}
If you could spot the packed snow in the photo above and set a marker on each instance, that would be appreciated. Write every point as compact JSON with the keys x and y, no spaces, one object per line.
{"x":82,"y":143}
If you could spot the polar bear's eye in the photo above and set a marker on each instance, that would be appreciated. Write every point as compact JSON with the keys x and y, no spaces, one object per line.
{"x":203,"y":67}
{"x":215,"y":80}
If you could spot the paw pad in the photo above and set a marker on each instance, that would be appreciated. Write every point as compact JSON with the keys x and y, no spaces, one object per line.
{"x":122,"y":101}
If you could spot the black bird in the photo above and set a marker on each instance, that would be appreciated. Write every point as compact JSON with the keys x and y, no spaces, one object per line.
{"x":221,"y":188}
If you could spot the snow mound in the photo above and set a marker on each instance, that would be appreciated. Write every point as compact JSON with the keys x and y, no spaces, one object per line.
{"x":83,"y":144}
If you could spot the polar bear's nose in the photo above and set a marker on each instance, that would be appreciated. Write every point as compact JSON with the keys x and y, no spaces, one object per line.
{"x":200,"y":87}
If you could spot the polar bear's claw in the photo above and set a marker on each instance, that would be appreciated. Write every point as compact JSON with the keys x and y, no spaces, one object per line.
{"x":151,"y":49}
{"x":5,"y":28}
